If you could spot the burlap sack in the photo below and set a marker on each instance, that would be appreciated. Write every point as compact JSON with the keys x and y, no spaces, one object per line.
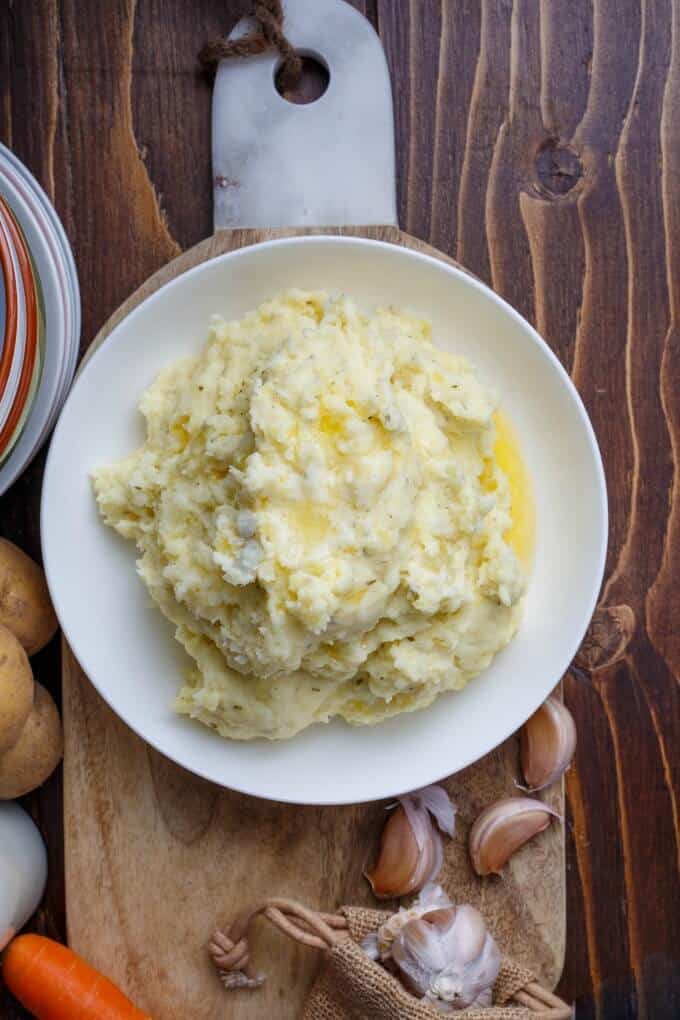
{"x":353,"y":987}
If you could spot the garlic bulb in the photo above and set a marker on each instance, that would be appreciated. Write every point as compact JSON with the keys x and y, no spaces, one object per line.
{"x":411,"y":851}
{"x":547,"y":744}
{"x":443,"y":954}
{"x":502,"y":828}
{"x":447,"y":957}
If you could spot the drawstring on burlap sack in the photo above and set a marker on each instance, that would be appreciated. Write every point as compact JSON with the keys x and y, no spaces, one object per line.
{"x":354,"y":987}
{"x":269,"y":16}
{"x":229,"y":950}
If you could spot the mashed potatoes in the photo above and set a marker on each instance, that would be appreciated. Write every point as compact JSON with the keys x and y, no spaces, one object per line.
{"x":320,"y":513}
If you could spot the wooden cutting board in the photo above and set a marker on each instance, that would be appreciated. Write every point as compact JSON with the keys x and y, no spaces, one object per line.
{"x":157,"y":858}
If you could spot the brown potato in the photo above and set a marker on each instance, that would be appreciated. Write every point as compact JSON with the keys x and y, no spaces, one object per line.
{"x":16,"y":689}
{"x":36,"y":753}
{"x":25,"y":605}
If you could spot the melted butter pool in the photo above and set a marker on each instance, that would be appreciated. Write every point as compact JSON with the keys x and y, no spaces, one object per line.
{"x":508,"y":456}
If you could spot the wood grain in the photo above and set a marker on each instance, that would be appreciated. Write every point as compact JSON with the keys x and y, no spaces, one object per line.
{"x":125,"y":806}
{"x":543,"y":132}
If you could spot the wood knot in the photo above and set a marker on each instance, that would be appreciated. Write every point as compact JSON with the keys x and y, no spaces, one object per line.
{"x":185,"y":802}
{"x":558,"y":169}
{"x":607,"y":638}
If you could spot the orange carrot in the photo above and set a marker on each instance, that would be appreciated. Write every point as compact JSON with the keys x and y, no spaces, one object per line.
{"x":55,"y":984}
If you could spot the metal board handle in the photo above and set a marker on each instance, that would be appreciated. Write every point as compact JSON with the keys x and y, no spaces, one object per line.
{"x":326,"y":163}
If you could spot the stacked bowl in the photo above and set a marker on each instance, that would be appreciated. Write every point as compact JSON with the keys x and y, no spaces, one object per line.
{"x":39,"y":317}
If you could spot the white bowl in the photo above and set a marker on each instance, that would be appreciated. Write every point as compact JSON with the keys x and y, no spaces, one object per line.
{"x":128,"y":650}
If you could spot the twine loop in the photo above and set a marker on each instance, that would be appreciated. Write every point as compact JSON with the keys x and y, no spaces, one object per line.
{"x":270,"y":35}
{"x":229,"y":950}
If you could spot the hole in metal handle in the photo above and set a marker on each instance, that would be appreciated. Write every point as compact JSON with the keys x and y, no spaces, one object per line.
{"x":313,"y":82}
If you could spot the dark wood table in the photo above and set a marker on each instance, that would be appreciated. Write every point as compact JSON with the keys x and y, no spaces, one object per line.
{"x":538,"y":141}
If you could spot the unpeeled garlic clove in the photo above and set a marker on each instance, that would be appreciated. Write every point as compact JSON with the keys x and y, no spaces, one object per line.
{"x":397,"y":866}
{"x":502,"y":828}
{"x":411,"y":851}
{"x":547,"y":744}
{"x":468,"y":935}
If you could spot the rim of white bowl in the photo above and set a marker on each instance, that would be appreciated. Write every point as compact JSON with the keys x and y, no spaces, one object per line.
{"x":589,"y":600}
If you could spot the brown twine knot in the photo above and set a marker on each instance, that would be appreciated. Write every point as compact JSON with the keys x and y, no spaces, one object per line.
{"x":232,"y":960}
{"x":269,"y":15}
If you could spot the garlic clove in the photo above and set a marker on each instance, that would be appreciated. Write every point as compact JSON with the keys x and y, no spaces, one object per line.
{"x":502,"y":828}
{"x":547,"y":744}
{"x":467,"y":938}
{"x":427,"y":837}
{"x":441,"y":918}
{"x":399,"y":858}
{"x":430,"y":862}
{"x":415,"y":954}
{"x":411,"y":850}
